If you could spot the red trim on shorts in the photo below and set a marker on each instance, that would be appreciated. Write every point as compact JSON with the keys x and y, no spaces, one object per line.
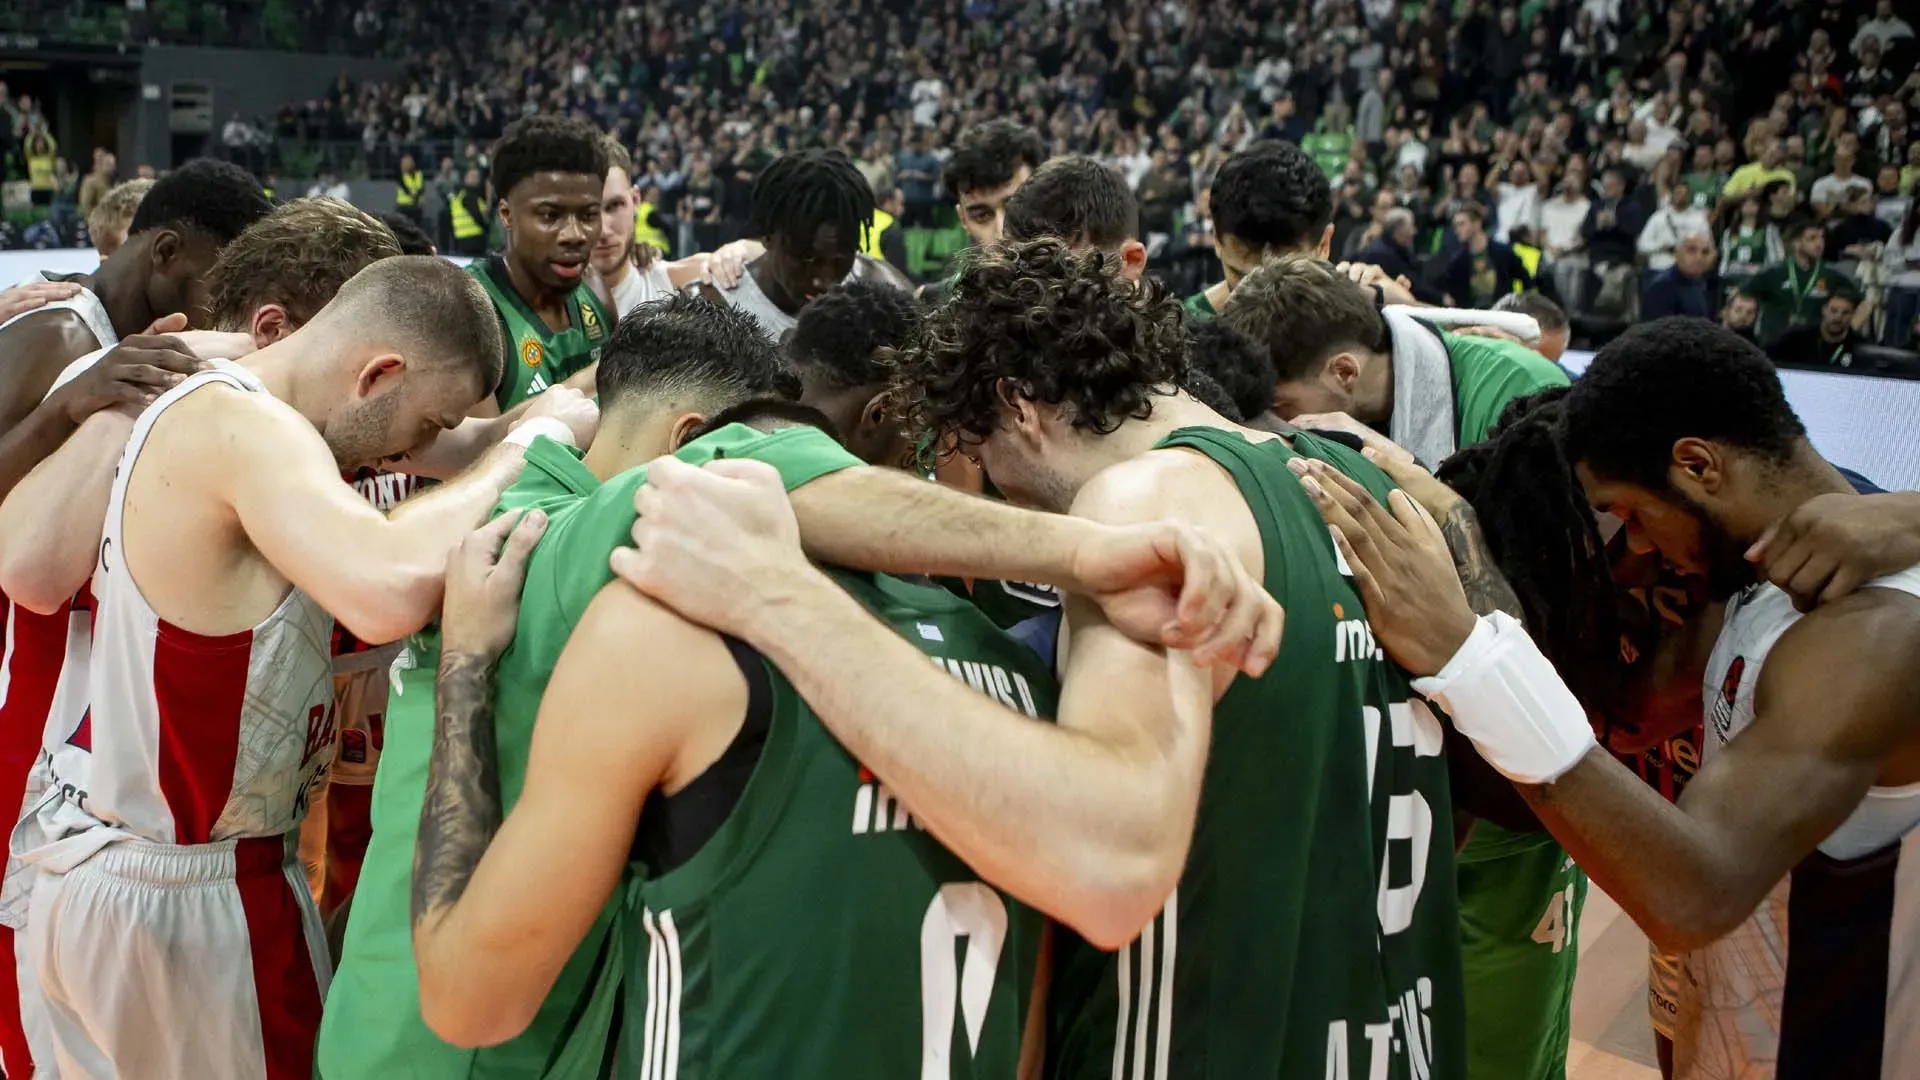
{"x":16,"y":1057}
{"x":199,"y":687}
{"x":285,"y":986}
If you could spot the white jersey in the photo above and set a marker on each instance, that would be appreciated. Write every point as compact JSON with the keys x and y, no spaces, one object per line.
{"x":774,"y":322}
{"x":190,"y":739}
{"x":43,"y":671}
{"x":641,"y":287}
{"x":1823,"y":981}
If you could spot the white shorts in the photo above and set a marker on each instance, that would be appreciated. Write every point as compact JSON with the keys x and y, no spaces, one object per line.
{"x":162,"y":961}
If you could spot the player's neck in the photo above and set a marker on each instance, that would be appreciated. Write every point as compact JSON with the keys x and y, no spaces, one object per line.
{"x":122,"y":295}
{"x":626,"y":440}
{"x":549,"y":305}
{"x":618,"y":274}
{"x":1804,"y":476}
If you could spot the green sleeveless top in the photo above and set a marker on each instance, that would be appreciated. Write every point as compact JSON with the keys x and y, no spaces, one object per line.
{"x":536,"y":356}
{"x":1314,"y":932}
{"x":372,"y":1025}
{"x":822,"y":933}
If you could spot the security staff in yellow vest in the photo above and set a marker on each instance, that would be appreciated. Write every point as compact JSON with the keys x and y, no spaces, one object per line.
{"x":645,"y":229}
{"x":467,"y":214}
{"x":883,"y":240}
{"x":412,"y":184}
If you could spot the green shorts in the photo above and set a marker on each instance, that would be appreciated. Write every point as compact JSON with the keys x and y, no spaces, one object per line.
{"x":1520,"y":904}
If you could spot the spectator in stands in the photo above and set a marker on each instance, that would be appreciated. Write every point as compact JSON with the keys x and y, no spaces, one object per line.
{"x":1794,"y":291}
{"x":98,"y":181}
{"x":1749,"y":240}
{"x":1829,"y":344}
{"x":1562,"y":221}
{"x":1268,"y":199}
{"x":917,"y":170}
{"x":328,"y":186}
{"x":1770,"y":166}
{"x":1612,"y":231}
{"x":1900,"y":271}
{"x":1392,"y":252}
{"x":1885,"y":26}
{"x":1838,"y":187}
{"x":1667,"y":227}
{"x":1686,"y":287}
{"x":1483,"y":270}
{"x":1741,"y":315}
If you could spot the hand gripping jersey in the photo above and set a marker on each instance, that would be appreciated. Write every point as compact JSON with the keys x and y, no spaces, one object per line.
{"x":1823,"y":980}
{"x":821,"y":933}
{"x":1314,"y":932}
{"x":537,"y":356}
{"x":373,"y":1026}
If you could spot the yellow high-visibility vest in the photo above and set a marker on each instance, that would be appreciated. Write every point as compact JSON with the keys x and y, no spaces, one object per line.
{"x":1529,"y":258}
{"x":411,"y":185}
{"x":465,"y":225}
{"x":645,"y":231}
{"x":876,"y":228}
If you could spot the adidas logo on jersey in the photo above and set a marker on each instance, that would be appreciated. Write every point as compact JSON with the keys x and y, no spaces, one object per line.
{"x":538,"y":384}
{"x":876,"y":809}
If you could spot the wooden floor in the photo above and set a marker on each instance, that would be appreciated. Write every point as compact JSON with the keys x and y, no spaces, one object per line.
{"x":1611,"y":1039}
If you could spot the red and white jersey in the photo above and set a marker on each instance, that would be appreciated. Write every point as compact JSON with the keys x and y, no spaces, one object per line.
{"x":385,"y":490}
{"x":190,"y":738}
{"x":45,"y":657}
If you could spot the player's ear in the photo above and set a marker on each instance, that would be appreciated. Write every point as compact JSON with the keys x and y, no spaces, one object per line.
{"x":876,"y":414}
{"x":1133,"y":260}
{"x":1343,"y":372}
{"x":683,"y":429}
{"x":270,"y":324}
{"x":1019,"y":408}
{"x":166,"y":246}
{"x":1326,"y":242}
{"x":1697,"y":465}
{"x":380,"y":373}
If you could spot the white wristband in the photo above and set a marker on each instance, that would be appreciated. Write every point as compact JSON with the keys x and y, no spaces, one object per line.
{"x":526,"y":431}
{"x":1505,"y":696}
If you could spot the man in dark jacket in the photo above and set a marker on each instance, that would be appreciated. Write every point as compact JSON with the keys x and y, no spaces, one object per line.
{"x":1392,"y":251}
{"x":1484,"y":270}
{"x":1686,"y":287}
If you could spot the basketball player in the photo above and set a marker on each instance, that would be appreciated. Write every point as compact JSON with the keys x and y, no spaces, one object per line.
{"x":413,"y":240}
{"x":810,"y":208}
{"x":671,"y":359}
{"x":1058,"y":374}
{"x":1268,"y":199}
{"x":633,"y":273}
{"x":1083,"y":202}
{"x":549,"y":174}
{"x":1431,"y":393}
{"x":1242,"y":368}
{"x":32,"y":296}
{"x":837,"y":348}
{"x":229,"y":538}
{"x":1795,"y":913}
{"x":988,"y":164}
{"x":112,"y":216}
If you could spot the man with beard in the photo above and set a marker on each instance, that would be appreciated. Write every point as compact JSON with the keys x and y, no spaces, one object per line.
{"x":548,"y":174}
{"x":1796,"y":914}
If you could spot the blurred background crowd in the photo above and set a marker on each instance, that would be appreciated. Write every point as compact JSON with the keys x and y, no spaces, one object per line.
{"x":1740,"y":160}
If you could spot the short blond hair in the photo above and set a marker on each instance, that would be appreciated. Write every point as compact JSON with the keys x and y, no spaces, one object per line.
{"x":617,"y":156}
{"x":114,"y":212}
{"x":297,"y":257}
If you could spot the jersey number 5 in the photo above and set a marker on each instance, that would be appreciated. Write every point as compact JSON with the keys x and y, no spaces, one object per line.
{"x":970,"y":910}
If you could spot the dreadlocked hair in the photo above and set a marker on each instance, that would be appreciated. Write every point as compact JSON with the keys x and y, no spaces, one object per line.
{"x":799,"y":192}
{"x":1543,"y":538}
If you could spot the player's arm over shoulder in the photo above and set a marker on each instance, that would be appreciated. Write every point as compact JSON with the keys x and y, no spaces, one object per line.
{"x":609,"y":732}
{"x":267,"y":464}
{"x":33,"y":351}
{"x":1825,"y":739}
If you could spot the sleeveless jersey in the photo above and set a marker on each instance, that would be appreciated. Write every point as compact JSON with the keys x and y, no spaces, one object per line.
{"x":537,"y":356}
{"x":1823,"y":980}
{"x":45,"y":657}
{"x":822,"y":933}
{"x":774,"y":322}
{"x":1314,"y":932}
{"x":372,"y":1025}
{"x":189,"y":738}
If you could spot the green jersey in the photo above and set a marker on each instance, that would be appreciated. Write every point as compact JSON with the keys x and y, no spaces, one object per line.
{"x":1198,"y":306}
{"x":1314,"y":932}
{"x":822,"y":933}
{"x":372,"y":1024}
{"x":1488,"y":373}
{"x":538,"y":357}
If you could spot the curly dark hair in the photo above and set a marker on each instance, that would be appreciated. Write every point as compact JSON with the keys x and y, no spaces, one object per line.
{"x":1272,"y":195}
{"x":217,"y":199}
{"x":799,"y":192}
{"x":546,"y":143}
{"x":1242,"y":368}
{"x":1056,"y":326}
{"x":1670,"y":379}
{"x":840,"y":336}
{"x":989,"y":155}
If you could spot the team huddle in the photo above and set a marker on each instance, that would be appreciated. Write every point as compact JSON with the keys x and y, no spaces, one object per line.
{"x":582,"y":664}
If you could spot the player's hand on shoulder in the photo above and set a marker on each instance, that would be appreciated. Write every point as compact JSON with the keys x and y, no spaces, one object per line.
{"x":1400,"y":565}
{"x":1410,"y":476}
{"x":21,"y":299}
{"x":725,"y":266}
{"x":568,"y":406}
{"x":484,"y":575}
{"x":718,"y":544}
{"x":1831,"y":545}
{"x":1393,"y":290}
{"x":133,"y":373}
{"x":1177,"y":585}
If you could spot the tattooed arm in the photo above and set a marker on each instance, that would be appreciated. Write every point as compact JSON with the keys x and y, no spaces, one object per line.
{"x":1487,"y":589}
{"x":501,"y":905}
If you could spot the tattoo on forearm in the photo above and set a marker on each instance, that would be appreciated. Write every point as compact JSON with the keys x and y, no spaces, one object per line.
{"x":462,"y":809}
{"x":1487,"y":589}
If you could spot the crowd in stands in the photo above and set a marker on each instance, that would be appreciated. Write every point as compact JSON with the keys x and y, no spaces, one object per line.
{"x":1628,"y":158}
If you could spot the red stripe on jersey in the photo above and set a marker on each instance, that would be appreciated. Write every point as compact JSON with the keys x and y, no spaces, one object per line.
{"x":284,"y":984}
{"x":199,"y":686}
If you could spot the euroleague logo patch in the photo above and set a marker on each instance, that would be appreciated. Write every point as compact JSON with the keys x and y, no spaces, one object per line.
{"x":531,"y":353}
